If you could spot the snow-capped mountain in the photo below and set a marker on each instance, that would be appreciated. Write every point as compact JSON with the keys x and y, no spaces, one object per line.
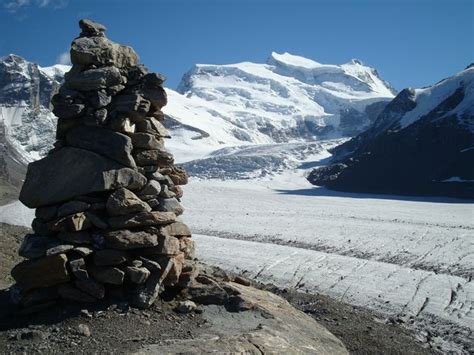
{"x":289,"y":98}
{"x":26,"y":123}
{"x":422,"y":142}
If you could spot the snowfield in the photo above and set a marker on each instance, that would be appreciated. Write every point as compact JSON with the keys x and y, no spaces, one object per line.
{"x":408,"y":259}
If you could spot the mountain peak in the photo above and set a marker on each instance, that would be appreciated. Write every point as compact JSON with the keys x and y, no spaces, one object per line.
{"x":292,"y":60}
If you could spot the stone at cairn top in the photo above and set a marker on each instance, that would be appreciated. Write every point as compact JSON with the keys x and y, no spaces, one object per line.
{"x":91,"y":28}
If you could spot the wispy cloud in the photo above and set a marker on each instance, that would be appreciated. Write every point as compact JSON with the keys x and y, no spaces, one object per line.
{"x":14,"y":6}
{"x":64,"y":58}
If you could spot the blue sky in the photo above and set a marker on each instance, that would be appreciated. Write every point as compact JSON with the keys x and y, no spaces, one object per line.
{"x":410,"y":42}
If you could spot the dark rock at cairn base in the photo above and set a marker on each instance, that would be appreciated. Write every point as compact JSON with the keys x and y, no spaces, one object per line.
{"x":71,"y":293}
{"x":142,"y":219}
{"x":93,"y":79}
{"x":124,"y":202}
{"x":101,"y":51}
{"x":125,"y":239}
{"x":110,"y":275}
{"x":43,"y":272}
{"x":105,"y":142}
{"x":72,"y":172}
{"x":137,"y":275}
{"x":91,"y":287}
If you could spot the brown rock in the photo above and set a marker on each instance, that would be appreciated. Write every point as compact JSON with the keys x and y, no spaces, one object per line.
{"x":142,"y":219}
{"x":124,"y":202}
{"x":125,"y":239}
{"x":158,"y":157}
{"x":43,"y":272}
{"x":111,"y":275}
{"x":176,"y":229}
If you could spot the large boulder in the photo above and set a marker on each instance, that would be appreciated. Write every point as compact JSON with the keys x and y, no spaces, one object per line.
{"x":93,"y":79}
{"x":110,"y":144}
{"x":43,"y":272}
{"x":101,"y":51}
{"x":142,"y":219}
{"x":80,"y":172}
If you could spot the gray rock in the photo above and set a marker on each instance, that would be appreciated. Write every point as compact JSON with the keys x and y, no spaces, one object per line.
{"x":91,"y":28}
{"x":34,"y":246}
{"x":146,"y":141}
{"x":78,"y":269}
{"x":153,"y":203}
{"x":75,"y":237}
{"x":152,"y":126}
{"x":137,"y":275}
{"x":167,"y":246}
{"x":96,"y":220}
{"x":166,"y":192}
{"x":125,"y":239}
{"x":71,"y":293}
{"x":153,"y":80}
{"x":170,"y":205}
{"x":72,"y":172}
{"x":157,"y":157}
{"x":124,"y":202}
{"x":186,"y":307}
{"x":91,"y":287}
{"x":39,"y":296}
{"x":72,"y":207}
{"x":152,"y":188}
{"x":142,"y":219}
{"x":150,"y":264}
{"x":101,"y":51}
{"x":83,"y":329}
{"x":93,"y":79}
{"x":59,"y":249}
{"x":99,"y":99}
{"x":111,"y":275}
{"x":177,"y":229}
{"x":121,"y":124}
{"x":110,"y":144}
{"x":145,"y":295}
{"x":157,"y":96}
{"x":187,"y":246}
{"x":133,"y":106}
{"x":108,"y":257}
{"x":68,"y":111}
{"x":43,"y":272}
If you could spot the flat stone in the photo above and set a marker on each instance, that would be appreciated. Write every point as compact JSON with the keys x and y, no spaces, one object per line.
{"x":146,"y":141}
{"x":158,"y":157}
{"x":39,"y":296}
{"x":93,"y":79}
{"x":71,"y":293}
{"x":99,"y":99}
{"x":96,"y":221}
{"x":110,"y":144}
{"x":137,"y":275}
{"x":91,"y":287}
{"x":125,"y":239}
{"x":111,"y":275}
{"x":43,"y":272}
{"x":142,"y":219}
{"x":83,"y":251}
{"x":108,"y":257}
{"x":177,"y":229}
{"x":75,"y":237}
{"x":72,"y":172}
{"x":125,"y":202}
{"x":34,"y":246}
{"x":170,"y":205}
{"x":59,"y":249}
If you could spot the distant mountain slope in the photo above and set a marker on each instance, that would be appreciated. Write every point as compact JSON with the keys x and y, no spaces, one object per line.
{"x":26,"y":122}
{"x":421,"y":143}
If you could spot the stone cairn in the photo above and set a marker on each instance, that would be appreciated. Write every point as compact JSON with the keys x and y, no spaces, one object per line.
{"x":107,"y":195}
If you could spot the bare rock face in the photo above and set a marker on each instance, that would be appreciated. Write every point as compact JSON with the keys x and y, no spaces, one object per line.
{"x":261,"y":323}
{"x":105,"y":191}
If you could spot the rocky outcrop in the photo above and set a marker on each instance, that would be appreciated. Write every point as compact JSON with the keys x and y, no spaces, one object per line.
{"x":106,"y":210}
{"x":422,"y":143}
{"x":244,"y":319}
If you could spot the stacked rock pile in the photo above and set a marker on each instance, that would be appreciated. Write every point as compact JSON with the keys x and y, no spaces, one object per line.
{"x":107,"y":195}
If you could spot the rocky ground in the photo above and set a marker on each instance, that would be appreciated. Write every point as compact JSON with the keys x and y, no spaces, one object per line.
{"x":115,"y":327}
